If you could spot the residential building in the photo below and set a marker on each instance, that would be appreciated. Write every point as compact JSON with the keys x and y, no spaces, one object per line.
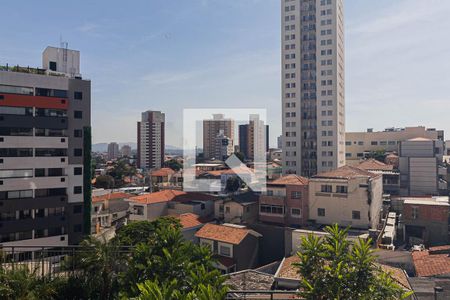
{"x":151,"y":140}
{"x":125,"y":151}
{"x":211,"y":129}
{"x":235,"y":247}
{"x":109,"y":210}
{"x":425,"y":220}
{"x":421,"y":168}
{"x":254,"y":139}
{"x":190,"y":224}
{"x":113,"y":151}
{"x":285,"y":201}
{"x":170,"y":202}
{"x":162,"y":177}
{"x":391,"y":177}
{"x":279,"y":142}
{"x":434,"y":262}
{"x":347,"y":196}
{"x":223,"y":146}
{"x":240,"y":209}
{"x":359,"y":144}
{"x":313,"y":92}
{"x":45,"y":139}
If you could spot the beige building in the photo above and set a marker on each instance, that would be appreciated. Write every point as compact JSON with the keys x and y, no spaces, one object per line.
{"x":113,"y":150}
{"x":211,"y":129}
{"x":238,"y":209}
{"x":313,"y":94}
{"x":151,"y":140}
{"x":358,"y":144}
{"x":348,"y":196}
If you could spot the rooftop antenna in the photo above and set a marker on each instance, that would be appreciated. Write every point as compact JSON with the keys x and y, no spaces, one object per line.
{"x":63,"y":46}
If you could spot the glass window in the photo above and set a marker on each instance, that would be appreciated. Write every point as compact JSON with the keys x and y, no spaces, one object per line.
{"x":23,"y":111}
{"x":77,"y":189}
{"x":16,"y":173}
{"x":296,"y":195}
{"x":9,"y":89}
{"x":78,"y":171}
{"x":50,"y":152}
{"x":342,"y":189}
{"x":78,"y":114}
{"x":295,"y":211}
{"x":356,"y":215}
{"x":225,"y":251}
{"x":16,"y":152}
{"x":78,"y":152}
{"x":326,"y":188}
{"x":321,"y":212}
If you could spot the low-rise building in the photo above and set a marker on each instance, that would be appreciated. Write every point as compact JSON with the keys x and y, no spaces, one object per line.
{"x":235,"y":247}
{"x":432,"y":262}
{"x":425,"y":220}
{"x":240,"y":209}
{"x":391,"y":177}
{"x":170,"y":202}
{"x":162,"y":177}
{"x":347,"y":196}
{"x":190,"y":224}
{"x":285,"y":201}
{"x":108,"y":210}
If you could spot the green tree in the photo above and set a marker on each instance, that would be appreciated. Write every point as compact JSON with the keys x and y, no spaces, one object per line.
{"x":173,"y":164}
{"x":104,"y":182}
{"x":333,"y":268}
{"x":233,"y":184}
{"x":379,"y":155}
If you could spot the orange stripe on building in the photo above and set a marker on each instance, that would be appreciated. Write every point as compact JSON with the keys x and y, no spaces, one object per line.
{"x":33,"y":101}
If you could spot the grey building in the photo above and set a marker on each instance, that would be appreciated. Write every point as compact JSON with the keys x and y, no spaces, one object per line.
{"x":151,"y":140}
{"x":45,"y":148}
{"x":421,"y":169}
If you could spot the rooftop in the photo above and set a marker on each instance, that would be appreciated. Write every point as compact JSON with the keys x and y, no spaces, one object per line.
{"x":346,"y":172}
{"x":171,"y":195}
{"x":291,"y":179}
{"x":249,"y":280}
{"x":373,"y":164}
{"x":163,"y":172}
{"x":223,"y":233}
{"x":432,"y":262}
{"x":435,"y":201}
{"x":189,"y":220}
{"x":110,"y":196}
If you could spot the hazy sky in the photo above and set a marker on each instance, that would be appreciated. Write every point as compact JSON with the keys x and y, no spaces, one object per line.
{"x":170,"y":55}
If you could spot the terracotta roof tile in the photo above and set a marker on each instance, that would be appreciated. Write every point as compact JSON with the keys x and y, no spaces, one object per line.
{"x":290,"y":180}
{"x":110,"y":196}
{"x":163,"y":172}
{"x":222,"y":233}
{"x":428,"y":264}
{"x":171,"y":195}
{"x":346,"y":172}
{"x":189,"y":220}
{"x":373,"y":164}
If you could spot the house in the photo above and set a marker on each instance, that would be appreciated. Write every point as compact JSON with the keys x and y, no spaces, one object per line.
{"x":391,"y":177}
{"x":162,"y":177}
{"x":432,"y":262}
{"x":235,"y":247}
{"x":170,"y":202}
{"x":241,"y":208}
{"x":108,"y":210}
{"x":190,"y":224}
{"x":347,"y":196}
{"x":425,"y":220}
{"x":285,"y":201}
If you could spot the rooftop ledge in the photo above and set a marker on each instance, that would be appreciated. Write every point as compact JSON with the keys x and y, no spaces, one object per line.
{"x":36,"y":71}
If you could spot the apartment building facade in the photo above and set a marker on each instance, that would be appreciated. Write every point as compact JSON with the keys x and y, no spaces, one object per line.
{"x":285,"y":201}
{"x":211,"y":130}
{"x":151,"y":140}
{"x":313,"y":93}
{"x":254,"y":139}
{"x":45,"y":146}
{"x":358,"y":144}
{"x":347,"y":196}
{"x":113,"y":150}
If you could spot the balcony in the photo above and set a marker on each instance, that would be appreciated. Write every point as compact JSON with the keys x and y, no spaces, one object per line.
{"x":13,"y":184}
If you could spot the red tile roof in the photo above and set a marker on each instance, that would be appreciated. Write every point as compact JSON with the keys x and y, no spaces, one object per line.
{"x":189,"y":220}
{"x":346,"y":172}
{"x":290,"y":180}
{"x":171,"y":195}
{"x":222,"y":233}
{"x":373,"y":164}
{"x":110,"y":196}
{"x":163,"y":172}
{"x":429,"y":264}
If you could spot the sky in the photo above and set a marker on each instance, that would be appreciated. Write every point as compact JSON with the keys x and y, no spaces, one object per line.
{"x":170,"y":55}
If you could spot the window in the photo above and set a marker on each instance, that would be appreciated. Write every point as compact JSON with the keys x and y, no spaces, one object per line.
{"x":39,"y":172}
{"x":342,"y":189}
{"x":78,"y":171}
{"x":78,"y":133}
{"x":414,"y":212}
{"x":348,"y":143}
{"x":326,"y":188}
{"x":356,"y":215}
{"x":227,"y":209}
{"x":296,"y":195}
{"x":374,"y":143}
{"x":16,"y":152}
{"x":225,"y":251}
{"x":16,"y":173}
{"x":295,"y":212}
{"x":272,"y":209}
{"x":77,"y":152}
{"x":321,"y":212}
{"x":77,"y":189}
{"x":78,"y":114}
{"x":47,"y":152}
{"x":78,"y":95}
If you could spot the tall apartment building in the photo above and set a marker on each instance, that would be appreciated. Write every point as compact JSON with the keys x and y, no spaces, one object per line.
{"x":125,"y":151}
{"x":150,"y":140}
{"x":211,"y":129}
{"x":113,"y":150}
{"x":255,"y":133}
{"x":45,"y":148}
{"x":313,"y":103}
{"x":358,"y":144}
{"x":223,"y":147}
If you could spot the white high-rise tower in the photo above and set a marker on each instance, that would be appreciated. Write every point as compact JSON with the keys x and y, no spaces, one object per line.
{"x":313,"y":101}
